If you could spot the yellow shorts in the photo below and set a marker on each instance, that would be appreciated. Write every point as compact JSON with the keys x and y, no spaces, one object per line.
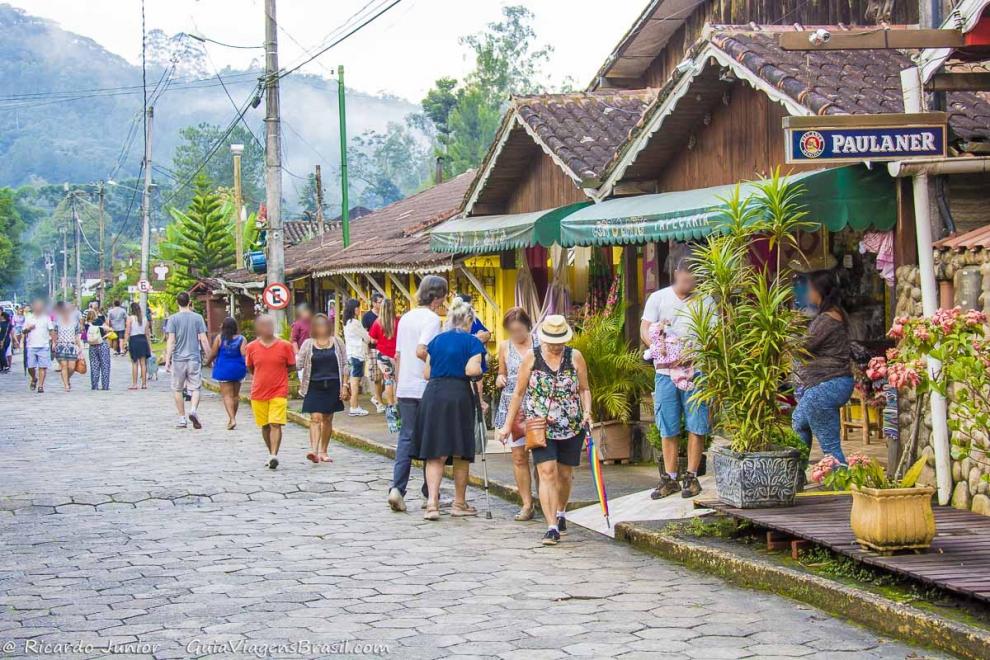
{"x":269,"y":412}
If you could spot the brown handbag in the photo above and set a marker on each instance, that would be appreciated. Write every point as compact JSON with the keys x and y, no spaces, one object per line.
{"x":518,"y":427}
{"x":80,"y":366}
{"x":536,"y":428}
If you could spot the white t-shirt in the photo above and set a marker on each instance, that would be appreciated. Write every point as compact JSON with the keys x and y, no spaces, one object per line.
{"x":39,"y":336}
{"x":356,"y":339}
{"x":419,"y":326}
{"x":665,"y":305}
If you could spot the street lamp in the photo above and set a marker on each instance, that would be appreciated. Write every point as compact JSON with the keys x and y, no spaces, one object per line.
{"x":236,"y":150}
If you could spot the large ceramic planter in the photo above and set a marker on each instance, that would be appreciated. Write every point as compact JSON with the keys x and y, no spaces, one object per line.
{"x":893,"y":518}
{"x":613,"y":440}
{"x":756,"y":480}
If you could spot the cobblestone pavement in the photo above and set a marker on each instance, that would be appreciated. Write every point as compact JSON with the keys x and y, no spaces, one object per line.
{"x":116,"y":528}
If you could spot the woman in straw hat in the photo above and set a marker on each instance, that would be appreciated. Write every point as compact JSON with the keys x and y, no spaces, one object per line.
{"x":445,"y":423}
{"x":556,"y":378}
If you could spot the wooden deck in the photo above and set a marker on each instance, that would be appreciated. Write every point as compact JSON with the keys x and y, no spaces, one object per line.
{"x":958,"y":561}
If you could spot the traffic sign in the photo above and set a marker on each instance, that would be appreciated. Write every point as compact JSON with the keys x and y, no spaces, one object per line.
{"x":276,"y":296}
{"x":144,"y":286}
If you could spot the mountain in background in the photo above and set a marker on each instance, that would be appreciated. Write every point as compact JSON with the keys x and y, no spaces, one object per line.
{"x":67,"y":106}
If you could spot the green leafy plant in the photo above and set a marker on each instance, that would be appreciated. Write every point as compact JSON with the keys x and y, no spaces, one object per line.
{"x":958,"y":341}
{"x":749,"y":337}
{"x":862,"y":471}
{"x":617,"y":374}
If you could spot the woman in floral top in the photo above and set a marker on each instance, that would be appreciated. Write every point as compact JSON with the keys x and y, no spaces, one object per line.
{"x":557,"y":378}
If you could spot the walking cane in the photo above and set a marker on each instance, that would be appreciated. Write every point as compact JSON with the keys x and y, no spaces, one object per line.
{"x":483,"y":436}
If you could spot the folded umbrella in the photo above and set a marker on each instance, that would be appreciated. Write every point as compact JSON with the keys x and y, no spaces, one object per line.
{"x":596,"y":475}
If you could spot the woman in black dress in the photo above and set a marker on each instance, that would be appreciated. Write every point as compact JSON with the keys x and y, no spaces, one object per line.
{"x":445,"y":423}
{"x":321,"y":360}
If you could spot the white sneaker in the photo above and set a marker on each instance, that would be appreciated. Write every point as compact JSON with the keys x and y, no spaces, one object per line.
{"x":380,"y":408}
{"x":181,"y":424}
{"x":357,"y":412}
{"x":395,"y":500}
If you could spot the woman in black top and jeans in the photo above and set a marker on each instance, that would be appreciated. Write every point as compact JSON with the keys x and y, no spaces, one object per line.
{"x":825,"y":380}
{"x":321,"y":360}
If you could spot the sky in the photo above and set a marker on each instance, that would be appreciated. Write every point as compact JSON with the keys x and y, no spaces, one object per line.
{"x":401,"y":53}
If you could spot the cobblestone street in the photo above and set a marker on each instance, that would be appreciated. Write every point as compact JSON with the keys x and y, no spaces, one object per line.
{"x":119,"y":529}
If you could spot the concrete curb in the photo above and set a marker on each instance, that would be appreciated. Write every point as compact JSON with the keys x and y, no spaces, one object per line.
{"x":863,"y":607}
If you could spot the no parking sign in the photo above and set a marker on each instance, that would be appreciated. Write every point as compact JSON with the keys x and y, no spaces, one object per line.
{"x":276,"y":296}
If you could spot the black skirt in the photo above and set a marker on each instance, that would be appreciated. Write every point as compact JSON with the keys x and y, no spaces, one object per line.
{"x":138,"y":347}
{"x":445,"y":422}
{"x":323,"y":396}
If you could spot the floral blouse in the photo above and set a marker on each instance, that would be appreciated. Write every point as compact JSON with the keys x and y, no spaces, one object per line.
{"x":564,"y":414}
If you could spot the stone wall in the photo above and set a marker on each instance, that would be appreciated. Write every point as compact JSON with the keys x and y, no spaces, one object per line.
{"x":969,"y":490}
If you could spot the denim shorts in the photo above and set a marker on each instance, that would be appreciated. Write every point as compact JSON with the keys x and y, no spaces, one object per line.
{"x":39,"y":357}
{"x":357,"y":367}
{"x":671,"y":405}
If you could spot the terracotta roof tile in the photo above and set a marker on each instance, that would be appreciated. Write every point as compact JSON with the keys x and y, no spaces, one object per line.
{"x":977,"y":238}
{"x":584,"y":130}
{"x":843,"y":82}
{"x":392,"y":238}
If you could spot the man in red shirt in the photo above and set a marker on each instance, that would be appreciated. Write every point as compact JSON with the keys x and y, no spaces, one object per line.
{"x":269,"y":359}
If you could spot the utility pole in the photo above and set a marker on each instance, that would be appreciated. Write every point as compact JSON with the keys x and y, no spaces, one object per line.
{"x":236,"y":150}
{"x":65,"y":263}
{"x":103,"y":287}
{"x":345,"y":210}
{"x":273,"y":158}
{"x":146,"y":220}
{"x":76,"y":241}
{"x":319,"y":200}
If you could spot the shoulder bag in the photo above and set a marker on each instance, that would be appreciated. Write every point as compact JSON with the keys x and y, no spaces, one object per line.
{"x":536,"y":428}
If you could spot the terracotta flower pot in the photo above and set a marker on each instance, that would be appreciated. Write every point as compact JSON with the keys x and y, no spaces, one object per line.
{"x":892,"y":519}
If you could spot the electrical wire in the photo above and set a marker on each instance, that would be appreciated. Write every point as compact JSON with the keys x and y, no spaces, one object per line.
{"x":199,"y":37}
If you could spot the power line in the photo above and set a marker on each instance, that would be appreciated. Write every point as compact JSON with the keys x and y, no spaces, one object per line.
{"x":336,"y":42}
{"x":199,"y":37}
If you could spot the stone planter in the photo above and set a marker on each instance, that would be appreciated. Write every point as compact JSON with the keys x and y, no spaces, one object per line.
{"x":892,"y":518}
{"x":756,"y":480}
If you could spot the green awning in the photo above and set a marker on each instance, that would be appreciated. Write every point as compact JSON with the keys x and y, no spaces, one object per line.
{"x":494,"y":233}
{"x":852,"y":196}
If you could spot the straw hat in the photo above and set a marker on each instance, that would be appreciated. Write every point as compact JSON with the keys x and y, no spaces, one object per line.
{"x":554,"y":330}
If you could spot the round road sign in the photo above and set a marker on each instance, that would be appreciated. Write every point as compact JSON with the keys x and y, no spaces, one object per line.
{"x":276,"y":296}
{"x":144,"y":286}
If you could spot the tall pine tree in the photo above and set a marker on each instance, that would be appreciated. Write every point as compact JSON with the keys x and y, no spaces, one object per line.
{"x":200,"y":240}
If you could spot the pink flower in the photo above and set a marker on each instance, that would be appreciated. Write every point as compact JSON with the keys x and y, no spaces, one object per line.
{"x":893,"y":354}
{"x":823,"y":468}
{"x":896,"y":330}
{"x":877,"y":369}
{"x":975,"y":317}
{"x":944,"y":319}
{"x":921,"y":333}
{"x":858,"y":459}
{"x":899,"y":375}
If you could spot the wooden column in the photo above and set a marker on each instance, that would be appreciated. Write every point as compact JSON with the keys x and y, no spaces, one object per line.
{"x":634,"y":312}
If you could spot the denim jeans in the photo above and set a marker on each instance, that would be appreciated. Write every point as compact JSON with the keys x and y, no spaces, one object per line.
{"x":671,"y":405}
{"x":817,"y":414}
{"x":403,"y":449}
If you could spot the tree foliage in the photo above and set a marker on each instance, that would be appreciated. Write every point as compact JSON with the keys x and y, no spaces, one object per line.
{"x":11,"y":227}
{"x":200,"y":240}
{"x":198,"y":141}
{"x":392,"y":164}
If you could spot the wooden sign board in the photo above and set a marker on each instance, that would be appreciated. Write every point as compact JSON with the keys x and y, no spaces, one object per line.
{"x":858,"y":138}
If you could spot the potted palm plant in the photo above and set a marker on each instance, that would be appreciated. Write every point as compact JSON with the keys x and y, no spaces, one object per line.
{"x":618,"y":378}
{"x":746,"y":342}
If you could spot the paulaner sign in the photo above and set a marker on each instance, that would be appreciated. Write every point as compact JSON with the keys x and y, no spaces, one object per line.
{"x":856,"y":138}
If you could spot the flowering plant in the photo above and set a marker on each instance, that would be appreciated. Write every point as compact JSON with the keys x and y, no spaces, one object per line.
{"x":958,"y":341}
{"x":862,"y":471}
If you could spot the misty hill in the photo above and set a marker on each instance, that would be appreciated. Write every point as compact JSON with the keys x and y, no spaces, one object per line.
{"x":67,"y":105}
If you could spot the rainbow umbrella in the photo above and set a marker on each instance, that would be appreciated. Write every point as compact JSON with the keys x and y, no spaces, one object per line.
{"x":596,"y":476}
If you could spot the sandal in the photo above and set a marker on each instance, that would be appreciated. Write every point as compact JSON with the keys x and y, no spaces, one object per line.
{"x":432,"y":513}
{"x":462,"y":510}
{"x":311,"y":457}
{"x":133,"y":387}
{"x":325,"y":459}
{"x":525,"y":513}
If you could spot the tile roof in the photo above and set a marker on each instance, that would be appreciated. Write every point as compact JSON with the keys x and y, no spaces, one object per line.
{"x":297,"y":231}
{"x":583,"y":130}
{"x":831,"y":82}
{"x":390,"y":239}
{"x":971,"y":240}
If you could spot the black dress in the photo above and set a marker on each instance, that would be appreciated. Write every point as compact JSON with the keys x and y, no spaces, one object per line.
{"x":323,"y":394}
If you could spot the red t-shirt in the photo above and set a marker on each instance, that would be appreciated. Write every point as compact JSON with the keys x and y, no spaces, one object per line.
{"x":384,"y":345}
{"x":270,"y":366}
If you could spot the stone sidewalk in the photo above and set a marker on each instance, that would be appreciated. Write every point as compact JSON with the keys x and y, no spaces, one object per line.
{"x":118,"y":529}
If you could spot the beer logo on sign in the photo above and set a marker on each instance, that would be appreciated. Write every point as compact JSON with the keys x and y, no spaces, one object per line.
{"x":812,"y":144}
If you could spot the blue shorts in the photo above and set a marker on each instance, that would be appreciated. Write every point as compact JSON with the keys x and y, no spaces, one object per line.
{"x":39,"y":357}
{"x":357,"y":367}
{"x":671,"y":404}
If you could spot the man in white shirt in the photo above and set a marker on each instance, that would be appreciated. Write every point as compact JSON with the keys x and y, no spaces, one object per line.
{"x":39,"y":335}
{"x":672,"y":407}
{"x":417,"y":329}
